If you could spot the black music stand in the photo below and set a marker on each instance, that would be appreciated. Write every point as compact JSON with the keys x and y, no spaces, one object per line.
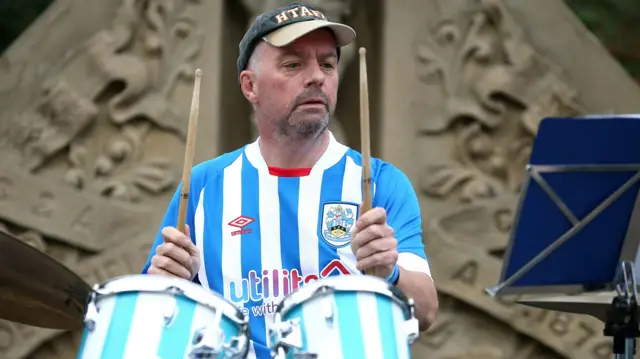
{"x":576,"y":228}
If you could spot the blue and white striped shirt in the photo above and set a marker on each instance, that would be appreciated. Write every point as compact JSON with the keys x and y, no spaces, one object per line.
{"x":261,"y":236}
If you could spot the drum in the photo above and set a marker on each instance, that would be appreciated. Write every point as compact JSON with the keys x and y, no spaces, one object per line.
{"x":153,"y":317}
{"x":351,"y":316}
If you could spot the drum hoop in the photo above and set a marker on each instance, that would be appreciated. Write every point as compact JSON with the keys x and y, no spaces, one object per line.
{"x":355,"y":282}
{"x":164,"y":284}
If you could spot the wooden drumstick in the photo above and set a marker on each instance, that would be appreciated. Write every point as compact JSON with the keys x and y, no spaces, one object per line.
{"x":364,"y":134}
{"x":189,"y":153}
{"x":364,"y":137}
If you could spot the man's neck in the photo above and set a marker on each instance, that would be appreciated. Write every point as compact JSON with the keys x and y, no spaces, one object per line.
{"x":293,"y":153}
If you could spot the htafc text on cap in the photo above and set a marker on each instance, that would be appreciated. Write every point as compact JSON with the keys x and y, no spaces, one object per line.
{"x":299,"y":11}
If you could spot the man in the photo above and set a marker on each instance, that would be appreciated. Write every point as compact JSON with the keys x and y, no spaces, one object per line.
{"x":285,"y":208}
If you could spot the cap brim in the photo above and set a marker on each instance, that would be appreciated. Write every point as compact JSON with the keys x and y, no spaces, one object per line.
{"x":288,"y":34}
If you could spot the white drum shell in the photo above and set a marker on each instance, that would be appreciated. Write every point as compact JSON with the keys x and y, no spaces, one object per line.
{"x":357,"y":317}
{"x":137,"y":316}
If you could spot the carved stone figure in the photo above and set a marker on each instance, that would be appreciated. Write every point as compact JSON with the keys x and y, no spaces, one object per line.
{"x":93,"y":116}
{"x":478,"y":91}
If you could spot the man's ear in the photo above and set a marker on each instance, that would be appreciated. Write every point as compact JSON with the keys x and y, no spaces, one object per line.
{"x":248,"y":86}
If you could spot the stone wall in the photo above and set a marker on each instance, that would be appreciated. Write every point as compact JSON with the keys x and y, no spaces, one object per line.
{"x":465,"y":86}
{"x":95,"y":102}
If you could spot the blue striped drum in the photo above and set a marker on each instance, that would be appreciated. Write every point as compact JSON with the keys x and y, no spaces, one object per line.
{"x":352,"y":316}
{"x":152,"y":317}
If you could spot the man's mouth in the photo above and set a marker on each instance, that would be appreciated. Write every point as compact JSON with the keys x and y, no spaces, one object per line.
{"x":313,"y":101}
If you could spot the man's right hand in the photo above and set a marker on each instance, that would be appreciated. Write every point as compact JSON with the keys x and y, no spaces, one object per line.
{"x":177,"y":256}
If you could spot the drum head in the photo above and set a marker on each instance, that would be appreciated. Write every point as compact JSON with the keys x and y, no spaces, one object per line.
{"x":165,"y":284}
{"x":344,"y":283}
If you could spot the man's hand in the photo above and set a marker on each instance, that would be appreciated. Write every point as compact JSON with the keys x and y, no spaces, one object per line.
{"x":177,"y":256}
{"x":373,"y":243}
{"x":375,"y":247}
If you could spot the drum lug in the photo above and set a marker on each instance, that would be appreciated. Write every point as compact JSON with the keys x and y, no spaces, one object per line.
{"x":328,"y":309}
{"x":305,"y":356}
{"x":233,"y":350}
{"x":287,"y":334}
{"x":175,"y":290}
{"x":327,"y":306}
{"x":170,"y":312}
{"x":283,"y":355}
{"x":91,"y":316}
{"x":207,"y":342}
{"x":412,"y":326}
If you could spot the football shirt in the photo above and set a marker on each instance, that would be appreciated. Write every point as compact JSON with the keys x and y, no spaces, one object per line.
{"x":263,"y":233}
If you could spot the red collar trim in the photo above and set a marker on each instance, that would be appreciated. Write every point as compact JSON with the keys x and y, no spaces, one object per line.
{"x":289,"y":172}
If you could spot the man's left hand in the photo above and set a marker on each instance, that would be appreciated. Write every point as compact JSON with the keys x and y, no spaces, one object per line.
{"x":373,"y":243}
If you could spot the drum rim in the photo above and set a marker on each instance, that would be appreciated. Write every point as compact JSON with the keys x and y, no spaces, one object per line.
{"x":344,"y":283}
{"x":180,"y":286}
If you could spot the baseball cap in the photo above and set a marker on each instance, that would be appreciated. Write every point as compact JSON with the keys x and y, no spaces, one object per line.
{"x":285,"y":24}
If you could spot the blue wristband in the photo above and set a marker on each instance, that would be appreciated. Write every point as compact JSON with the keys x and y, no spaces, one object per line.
{"x":394,"y":276}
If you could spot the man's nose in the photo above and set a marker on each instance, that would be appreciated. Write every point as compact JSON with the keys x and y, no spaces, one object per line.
{"x":315,"y":75}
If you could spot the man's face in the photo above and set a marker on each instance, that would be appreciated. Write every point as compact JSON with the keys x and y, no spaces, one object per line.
{"x":296,"y":85}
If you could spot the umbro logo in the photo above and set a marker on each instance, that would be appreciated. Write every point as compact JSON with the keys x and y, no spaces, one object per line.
{"x":240,"y":223}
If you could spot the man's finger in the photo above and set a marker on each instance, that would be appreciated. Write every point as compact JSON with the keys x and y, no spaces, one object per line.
{"x":183,"y":242}
{"x":171,"y":266}
{"x":374,"y":231}
{"x":374,"y":216}
{"x":376,"y":246}
{"x":187,"y":231}
{"x":378,"y":259}
{"x":192,"y":249}
{"x":174,"y":252}
{"x":171,"y":234}
{"x":159,"y":271}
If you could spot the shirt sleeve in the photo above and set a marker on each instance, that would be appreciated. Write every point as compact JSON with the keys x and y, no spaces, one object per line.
{"x":171,"y":220}
{"x":396,"y":195}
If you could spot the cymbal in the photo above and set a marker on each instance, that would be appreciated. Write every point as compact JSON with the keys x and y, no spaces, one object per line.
{"x":593,"y":304}
{"x":37,"y":290}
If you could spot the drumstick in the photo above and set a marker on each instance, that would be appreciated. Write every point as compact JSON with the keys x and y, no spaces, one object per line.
{"x":364,"y":133}
{"x":364,"y":137}
{"x":189,"y":152}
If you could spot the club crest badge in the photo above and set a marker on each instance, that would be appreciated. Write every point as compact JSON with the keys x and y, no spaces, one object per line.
{"x":338,"y":219}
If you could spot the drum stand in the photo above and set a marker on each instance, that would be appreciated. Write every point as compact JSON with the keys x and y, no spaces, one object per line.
{"x":622,"y":317}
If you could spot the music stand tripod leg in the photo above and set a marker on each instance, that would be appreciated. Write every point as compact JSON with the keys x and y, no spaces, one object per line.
{"x":622,"y":317}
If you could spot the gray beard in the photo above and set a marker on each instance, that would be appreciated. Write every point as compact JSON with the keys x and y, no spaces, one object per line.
{"x":301,"y":130}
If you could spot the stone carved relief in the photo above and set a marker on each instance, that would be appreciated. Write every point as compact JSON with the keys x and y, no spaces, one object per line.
{"x":485,"y":90}
{"x":494,"y":91}
{"x":145,"y":58}
{"x":57,"y":251}
{"x":97,"y":146}
{"x":336,"y":10}
{"x":466,"y":245}
{"x":463,"y":333}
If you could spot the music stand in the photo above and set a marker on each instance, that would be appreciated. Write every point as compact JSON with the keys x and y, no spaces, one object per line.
{"x":576,"y":228}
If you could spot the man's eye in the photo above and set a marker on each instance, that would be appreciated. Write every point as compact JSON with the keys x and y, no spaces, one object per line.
{"x":292,"y":65}
{"x":328,"y":66}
